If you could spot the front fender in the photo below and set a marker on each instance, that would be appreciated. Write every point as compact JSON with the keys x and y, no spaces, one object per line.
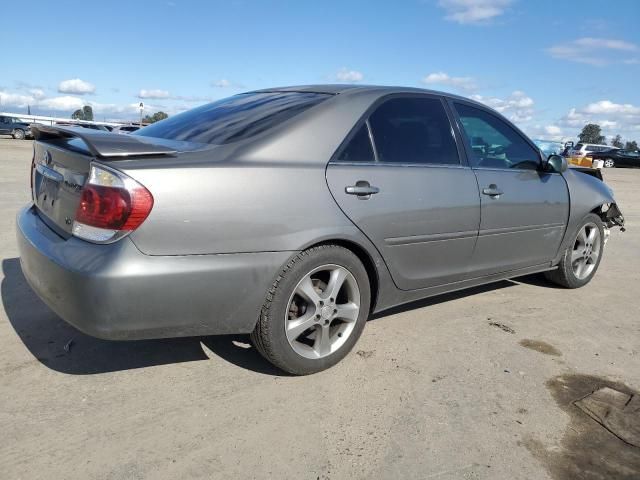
{"x":588,"y":194}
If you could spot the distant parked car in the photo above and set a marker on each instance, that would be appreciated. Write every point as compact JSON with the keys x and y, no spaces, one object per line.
{"x":295,"y":213}
{"x":618,"y":158}
{"x":15,"y":127}
{"x":582,"y":149}
{"x":125,"y":129}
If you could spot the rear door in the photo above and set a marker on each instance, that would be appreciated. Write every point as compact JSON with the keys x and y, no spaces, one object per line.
{"x":400,"y":179}
{"x":524,"y":210}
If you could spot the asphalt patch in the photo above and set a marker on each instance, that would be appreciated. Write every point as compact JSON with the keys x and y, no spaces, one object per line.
{"x":540,"y":346}
{"x":588,"y":449}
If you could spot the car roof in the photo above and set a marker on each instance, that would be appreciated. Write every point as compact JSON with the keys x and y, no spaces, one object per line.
{"x":338,"y":88}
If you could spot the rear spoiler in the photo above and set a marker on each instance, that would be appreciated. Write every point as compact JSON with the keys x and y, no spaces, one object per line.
{"x":103,"y":144}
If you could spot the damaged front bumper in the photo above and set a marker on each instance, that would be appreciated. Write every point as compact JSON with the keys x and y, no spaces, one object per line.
{"x":612,"y":216}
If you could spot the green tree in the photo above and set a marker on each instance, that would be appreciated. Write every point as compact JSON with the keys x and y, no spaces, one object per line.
{"x":156,"y":117}
{"x":632,"y":145}
{"x":591,"y":133}
{"x":84,"y":113}
{"x":88,"y":112}
{"x":617,"y":142}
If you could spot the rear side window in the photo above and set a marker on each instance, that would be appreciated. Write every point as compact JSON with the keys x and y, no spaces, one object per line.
{"x":494,"y":143}
{"x":234,"y":118}
{"x":578,"y":147}
{"x":413,"y":130}
{"x":359,"y":148}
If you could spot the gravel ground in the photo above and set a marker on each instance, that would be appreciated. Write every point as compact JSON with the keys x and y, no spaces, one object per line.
{"x":475,"y":385}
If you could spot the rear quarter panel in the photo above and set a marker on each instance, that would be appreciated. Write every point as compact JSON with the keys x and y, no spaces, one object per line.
{"x":241,"y":208}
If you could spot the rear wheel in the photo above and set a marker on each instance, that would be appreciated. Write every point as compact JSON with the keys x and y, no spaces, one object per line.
{"x":315,"y":311}
{"x":609,"y":163}
{"x":581,"y":260}
{"x":18,"y":134}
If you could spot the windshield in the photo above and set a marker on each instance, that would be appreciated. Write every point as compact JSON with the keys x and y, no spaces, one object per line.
{"x":234,"y":118}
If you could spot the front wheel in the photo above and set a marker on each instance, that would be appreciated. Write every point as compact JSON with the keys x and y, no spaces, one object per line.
{"x":582,"y":258}
{"x":609,"y":163}
{"x":315,"y":311}
{"x":18,"y":134}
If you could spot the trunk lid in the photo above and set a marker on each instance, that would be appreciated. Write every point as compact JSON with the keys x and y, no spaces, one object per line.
{"x":57,"y":180}
{"x":62,"y":161}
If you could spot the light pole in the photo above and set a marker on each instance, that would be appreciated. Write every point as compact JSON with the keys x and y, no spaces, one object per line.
{"x":141,"y":109}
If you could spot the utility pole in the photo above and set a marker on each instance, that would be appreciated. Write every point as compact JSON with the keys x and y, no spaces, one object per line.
{"x":141,"y":109}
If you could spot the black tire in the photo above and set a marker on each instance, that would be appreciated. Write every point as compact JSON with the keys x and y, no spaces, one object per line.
{"x":565,"y":275}
{"x":18,"y":134}
{"x":269,"y":335}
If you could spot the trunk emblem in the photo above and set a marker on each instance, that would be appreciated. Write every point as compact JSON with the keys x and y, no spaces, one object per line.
{"x":46,"y":157}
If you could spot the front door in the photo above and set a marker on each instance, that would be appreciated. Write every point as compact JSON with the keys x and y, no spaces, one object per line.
{"x":409,"y":192}
{"x":524,"y":210}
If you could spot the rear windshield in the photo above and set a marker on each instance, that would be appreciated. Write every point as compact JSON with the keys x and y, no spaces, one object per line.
{"x":234,"y":118}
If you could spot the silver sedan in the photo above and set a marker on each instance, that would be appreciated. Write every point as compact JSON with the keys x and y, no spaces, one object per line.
{"x":295,"y":213}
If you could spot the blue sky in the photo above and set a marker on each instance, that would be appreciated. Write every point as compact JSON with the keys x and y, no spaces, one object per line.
{"x":551,"y":66}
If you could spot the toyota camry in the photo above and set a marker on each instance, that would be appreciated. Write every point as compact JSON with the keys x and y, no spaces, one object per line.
{"x":293,"y":214}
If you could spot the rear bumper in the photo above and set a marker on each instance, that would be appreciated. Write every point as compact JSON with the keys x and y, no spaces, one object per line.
{"x":116,"y":292}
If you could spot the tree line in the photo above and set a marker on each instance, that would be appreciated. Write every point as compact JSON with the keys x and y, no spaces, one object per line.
{"x":592,"y":133}
{"x":86,"y":113}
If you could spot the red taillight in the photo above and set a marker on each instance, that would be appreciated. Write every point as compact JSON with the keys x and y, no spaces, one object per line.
{"x":113,"y":208}
{"x":111,"y":205}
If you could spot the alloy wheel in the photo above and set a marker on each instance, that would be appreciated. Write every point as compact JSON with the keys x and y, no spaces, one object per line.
{"x":322,"y":311}
{"x":609,"y":163}
{"x":586,"y":250}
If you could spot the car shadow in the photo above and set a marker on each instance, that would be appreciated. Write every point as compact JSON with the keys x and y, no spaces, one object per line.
{"x":63,"y":348}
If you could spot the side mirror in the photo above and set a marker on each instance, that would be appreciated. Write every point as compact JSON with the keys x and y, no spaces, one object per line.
{"x":556,"y":163}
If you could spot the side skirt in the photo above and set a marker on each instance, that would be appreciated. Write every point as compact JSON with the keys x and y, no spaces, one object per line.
{"x":401,"y":297}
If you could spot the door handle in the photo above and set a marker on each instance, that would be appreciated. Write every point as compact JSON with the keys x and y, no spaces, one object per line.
{"x":492,"y":191}
{"x":362,"y":189}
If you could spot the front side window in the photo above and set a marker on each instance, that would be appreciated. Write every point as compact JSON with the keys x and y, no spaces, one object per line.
{"x":359,"y":148}
{"x":234,"y":118}
{"x":493,"y":143}
{"x":413,"y":130}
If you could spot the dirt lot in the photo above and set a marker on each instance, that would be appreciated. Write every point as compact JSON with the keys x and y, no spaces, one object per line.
{"x":476,"y":385}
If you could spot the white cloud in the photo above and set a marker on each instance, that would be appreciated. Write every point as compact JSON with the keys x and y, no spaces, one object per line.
{"x":222,"y":83}
{"x":548,"y":132}
{"x":15,"y":99}
{"x":517,"y":107}
{"x":614,"y":118}
{"x":467,"y":84}
{"x":349,"y":76}
{"x":153,"y":93}
{"x":595,"y":51}
{"x":66,"y":102}
{"x":473,"y":11}
{"x":609,"y":107}
{"x":76,"y":86}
